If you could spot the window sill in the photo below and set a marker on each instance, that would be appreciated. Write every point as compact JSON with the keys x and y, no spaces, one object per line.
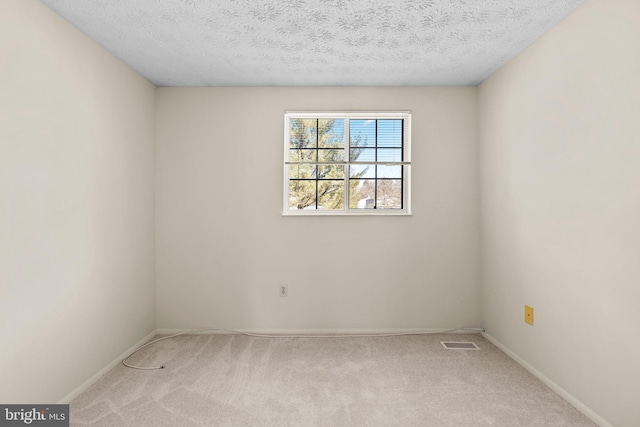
{"x":342,"y":213}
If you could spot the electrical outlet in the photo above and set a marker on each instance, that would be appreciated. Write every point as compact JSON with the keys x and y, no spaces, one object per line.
{"x":528,"y":315}
{"x":283,"y":291}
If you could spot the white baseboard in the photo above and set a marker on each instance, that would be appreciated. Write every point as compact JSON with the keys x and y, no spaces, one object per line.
{"x":88,"y":383}
{"x":552,"y":385}
{"x":315,"y":332}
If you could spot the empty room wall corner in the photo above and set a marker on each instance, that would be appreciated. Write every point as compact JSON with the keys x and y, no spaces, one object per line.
{"x":559,"y":152}
{"x":76,"y":205}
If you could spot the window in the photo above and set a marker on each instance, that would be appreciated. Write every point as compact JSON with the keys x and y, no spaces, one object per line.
{"x":347,"y":163}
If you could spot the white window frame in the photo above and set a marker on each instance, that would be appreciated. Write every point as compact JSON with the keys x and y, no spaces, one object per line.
{"x":405,"y":115}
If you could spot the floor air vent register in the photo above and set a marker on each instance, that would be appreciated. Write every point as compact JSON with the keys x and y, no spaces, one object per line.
{"x":450,"y":345}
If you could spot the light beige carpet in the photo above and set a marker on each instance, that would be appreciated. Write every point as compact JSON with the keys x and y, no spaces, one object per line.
{"x":235,"y":380}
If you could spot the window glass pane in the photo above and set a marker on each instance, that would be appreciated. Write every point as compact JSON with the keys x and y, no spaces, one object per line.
{"x":302,"y":194}
{"x":384,"y":171}
{"x":389,"y":155}
{"x":390,"y":133}
{"x":331,"y":155}
{"x":325,"y":168}
{"x":302,"y":171}
{"x":331,"y":133}
{"x":362,"y":193}
{"x":331,"y":194}
{"x":389,"y":194}
{"x":303,"y":133}
{"x":303,"y":156}
{"x":330,"y":171}
{"x":362,"y":133}
{"x":364,"y":171}
{"x":363,"y":155}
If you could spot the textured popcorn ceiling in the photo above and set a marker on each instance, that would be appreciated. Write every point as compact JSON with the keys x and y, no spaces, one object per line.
{"x":314,"y":42}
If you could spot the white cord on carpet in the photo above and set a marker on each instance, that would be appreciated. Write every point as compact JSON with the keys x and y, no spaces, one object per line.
{"x":251,"y":334}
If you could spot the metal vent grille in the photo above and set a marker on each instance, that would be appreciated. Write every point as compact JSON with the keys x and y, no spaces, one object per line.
{"x":449,"y":345}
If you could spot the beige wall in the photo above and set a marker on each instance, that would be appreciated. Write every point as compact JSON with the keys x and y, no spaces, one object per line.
{"x":223,"y":246}
{"x":76,"y":206}
{"x":560,"y":171}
